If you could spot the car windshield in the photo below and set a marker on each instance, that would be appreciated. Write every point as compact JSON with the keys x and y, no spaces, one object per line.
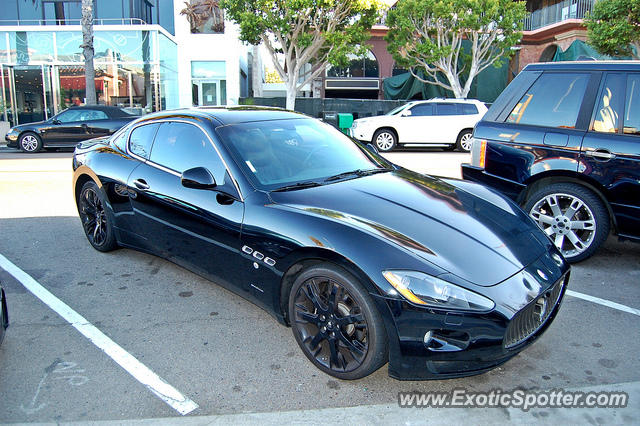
{"x":296,"y":153}
{"x":397,"y":110}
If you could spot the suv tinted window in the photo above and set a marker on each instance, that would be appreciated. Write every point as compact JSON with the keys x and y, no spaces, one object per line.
{"x":607,"y":114}
{"x":141,"y":139}
{"x":632,"y":106}
{"x":466,"y":109}
{"x":554,"y":100}
{"x":446,"y":109}
{"x":182,"y":146}
{"x":422,"y":110}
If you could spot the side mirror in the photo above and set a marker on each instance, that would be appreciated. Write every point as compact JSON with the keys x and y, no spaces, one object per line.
{"x":56,"y":121}
{"x":371,"y":147}
{"x":405,"y":113}
{"x":198,"y":178}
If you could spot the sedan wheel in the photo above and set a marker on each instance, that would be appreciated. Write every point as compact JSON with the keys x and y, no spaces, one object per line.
{"x":385,"y":140}
{"x":95,"y":220}
{"x":30,"y":142}
{"x":573,"y":218}
{"x":465,"y":140}
{"x":335,"y":323}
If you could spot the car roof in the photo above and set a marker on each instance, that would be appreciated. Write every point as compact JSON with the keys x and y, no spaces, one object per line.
{"x":111,"y":110}
{"x":585,"y":66}
{"x":458,"y":100}
{"x":232,"y":115}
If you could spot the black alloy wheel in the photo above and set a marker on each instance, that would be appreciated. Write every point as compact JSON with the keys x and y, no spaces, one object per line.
{"x":95,"y":220}
{"x":335,"y":323}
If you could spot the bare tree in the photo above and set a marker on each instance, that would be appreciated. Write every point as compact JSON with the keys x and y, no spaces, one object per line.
{"x":87,"y":51}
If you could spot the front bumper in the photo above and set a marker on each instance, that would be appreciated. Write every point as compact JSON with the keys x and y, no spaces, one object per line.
{"x":11,"y":139}
{"x":469,"y":343}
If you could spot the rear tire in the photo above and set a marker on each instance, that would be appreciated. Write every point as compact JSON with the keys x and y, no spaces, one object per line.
{"x":572,"y":216}
{"x":336,"y":324}
{"x":96,"y":222}
{"x":463,"y":144}
{"x":29,"y":142}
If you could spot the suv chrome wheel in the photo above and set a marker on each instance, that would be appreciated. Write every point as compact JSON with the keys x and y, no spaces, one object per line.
{"x":572,"y":217}
{"x":385,"y":140}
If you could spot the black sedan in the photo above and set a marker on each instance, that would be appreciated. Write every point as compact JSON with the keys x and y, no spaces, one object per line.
{"x":68,"y":128}
{"x":366,"y":261}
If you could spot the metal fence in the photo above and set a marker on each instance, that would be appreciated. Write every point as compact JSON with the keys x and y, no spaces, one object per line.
{"x":102,"y":21}
{"x":568,"y":9}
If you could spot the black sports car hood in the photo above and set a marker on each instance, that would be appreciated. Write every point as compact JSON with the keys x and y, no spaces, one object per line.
{"x":459,"y":226}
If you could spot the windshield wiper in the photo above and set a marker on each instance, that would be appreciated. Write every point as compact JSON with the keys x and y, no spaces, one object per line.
{"x":299,"y":185}
{"x":358,"y":173}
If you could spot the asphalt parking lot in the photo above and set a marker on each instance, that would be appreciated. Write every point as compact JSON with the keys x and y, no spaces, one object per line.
{"x":232,"y":359}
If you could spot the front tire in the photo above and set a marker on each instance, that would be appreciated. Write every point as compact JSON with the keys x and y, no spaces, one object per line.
{"x":30,"y":142}
{"x":96,"y":222}
{"x":385,"y":140}
{"x":336,"y":323}
{"x":572,"y":216}
{"x":464,"y":141}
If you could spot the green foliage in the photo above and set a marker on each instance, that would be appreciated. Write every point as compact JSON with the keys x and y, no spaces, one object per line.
{"x":427,"y":35}
{"x":614,"y":27}
{"x":316,"y":31}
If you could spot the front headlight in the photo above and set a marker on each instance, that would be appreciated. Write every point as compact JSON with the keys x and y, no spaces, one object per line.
{"x":423,"y":289}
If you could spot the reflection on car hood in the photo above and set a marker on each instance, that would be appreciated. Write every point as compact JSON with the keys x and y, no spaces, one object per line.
{"x":459,"y":226}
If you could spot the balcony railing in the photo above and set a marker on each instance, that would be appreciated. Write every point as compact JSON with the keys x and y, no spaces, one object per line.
{"x":568,"y":9}
{"x":104,"y":21}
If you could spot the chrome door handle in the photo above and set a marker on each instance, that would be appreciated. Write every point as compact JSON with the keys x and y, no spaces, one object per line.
{"x":600,"y":154}
{"x":141,"y":184}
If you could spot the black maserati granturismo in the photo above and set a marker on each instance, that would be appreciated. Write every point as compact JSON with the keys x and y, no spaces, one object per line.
{"x":367,"y":262}
{"x":67,"y":128}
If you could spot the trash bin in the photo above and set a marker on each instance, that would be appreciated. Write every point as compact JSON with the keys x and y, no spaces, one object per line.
{"x":344,"y":122}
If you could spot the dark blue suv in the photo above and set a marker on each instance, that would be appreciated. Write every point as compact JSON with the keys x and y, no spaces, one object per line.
{"x":563,"y":140}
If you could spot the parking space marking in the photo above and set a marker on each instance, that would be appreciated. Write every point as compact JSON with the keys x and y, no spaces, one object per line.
{"x":604,"y":302}
{"x":128,"y":362}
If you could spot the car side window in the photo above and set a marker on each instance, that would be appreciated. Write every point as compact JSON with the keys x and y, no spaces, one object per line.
{"x":466,"y":109}
{"x":92,"y":114}
{"x":182,"y":146}
{"x":554,"y":100}
{"x":631,"y":121}
{"x":422,"y":110}
{"x":446,"y":109}
{"x":141,"y":139}
{"x":68,"y":116}
{"x":609,"y":107}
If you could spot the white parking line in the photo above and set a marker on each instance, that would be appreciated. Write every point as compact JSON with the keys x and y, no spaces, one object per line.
{"x":604,"y":302}
{"x":139,"y":371}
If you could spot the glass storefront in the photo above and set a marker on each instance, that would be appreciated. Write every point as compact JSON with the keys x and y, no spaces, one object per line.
{"x":208,"y":83}
{"x":43,"y":72}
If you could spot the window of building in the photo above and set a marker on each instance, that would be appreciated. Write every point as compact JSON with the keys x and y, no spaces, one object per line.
{"x":397,"y":70}
{"x":632,"y":106}
{"x":554,"y":100}
{"x":205,"y":16}
{"x":359,"y":66}
{"x":62,"y":12}
{"x":208,"y":83}
{"x":607,"y":118}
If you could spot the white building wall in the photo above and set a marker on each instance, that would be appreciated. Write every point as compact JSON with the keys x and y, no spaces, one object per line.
{"x":208,"y":47}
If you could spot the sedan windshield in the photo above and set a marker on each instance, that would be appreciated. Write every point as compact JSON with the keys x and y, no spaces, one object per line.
{"x":297,"y":153}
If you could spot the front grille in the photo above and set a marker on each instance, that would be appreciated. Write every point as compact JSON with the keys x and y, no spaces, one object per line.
{"x":529,"y":320}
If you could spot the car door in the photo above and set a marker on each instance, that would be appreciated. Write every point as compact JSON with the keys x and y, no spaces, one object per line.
{"x":197,"y":228}
{"x":610,"y":152}
{"x":449,"y":123}
{"x":418,"y":126}
{"x":66,"y":128}
{"x":96,"y":122}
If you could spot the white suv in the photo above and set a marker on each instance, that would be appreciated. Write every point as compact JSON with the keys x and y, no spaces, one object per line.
{"x":437,"y":122}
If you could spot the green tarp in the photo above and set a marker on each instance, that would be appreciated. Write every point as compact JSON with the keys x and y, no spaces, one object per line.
{"x":576,"y":51}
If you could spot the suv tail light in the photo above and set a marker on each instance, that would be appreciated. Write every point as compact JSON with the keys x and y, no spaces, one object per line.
{"x":478,"y":152}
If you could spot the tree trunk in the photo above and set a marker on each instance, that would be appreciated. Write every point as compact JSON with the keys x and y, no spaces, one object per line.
{"x":87,"y":51}
{"x":291,"y":94}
